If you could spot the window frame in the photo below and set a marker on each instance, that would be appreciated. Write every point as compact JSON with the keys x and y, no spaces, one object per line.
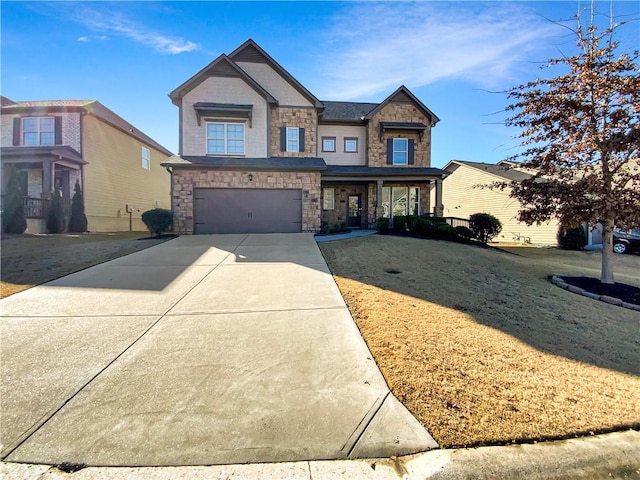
{"x":38,"y":132}
{"x":389,"y":204}
{"x":405,"y":151}
{"x":331,"y":139}
{"x":350,"y":139}
{"x":325,"y":198}
{"x":288,"y":139}
{"x":226,"y":139}
{"x":146,"y":160}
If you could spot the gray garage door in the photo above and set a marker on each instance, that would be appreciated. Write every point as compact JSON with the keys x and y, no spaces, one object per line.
{"x":244,"y":210}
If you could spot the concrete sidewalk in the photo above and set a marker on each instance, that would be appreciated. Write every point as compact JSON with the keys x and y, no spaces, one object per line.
{"x":202,"y":350}
{"x":605,"y":457}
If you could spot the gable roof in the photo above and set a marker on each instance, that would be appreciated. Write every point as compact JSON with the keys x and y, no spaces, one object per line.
{"x":499,"y":170}
{"x":251,"y":52}
{"x":347,"y":112}
{"x":222,"y":66}
{"x":90,"y":107}
{"x":403,"y":94}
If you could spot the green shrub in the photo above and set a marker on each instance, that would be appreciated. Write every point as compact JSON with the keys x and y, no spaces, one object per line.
{"x":78,"y":220}
{"x":464,"y":233}
{"x":55,"y":218}
{"x":484,"y":227}
{"x":335,"y":228}
{"x":438,"y":220}
{"x":444,"y":231}
{"x":572,"y":238}
{"x":344,"y":227}
{"x":325,"y":228}
{"x":382,"y":224}
{"x":157,"y":220}
{"x":13,"y":220}
{"x":400,"y":223}
{"x":423,"y":227}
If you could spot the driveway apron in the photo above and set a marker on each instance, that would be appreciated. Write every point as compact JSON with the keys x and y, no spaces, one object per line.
{"x":212,"y":349}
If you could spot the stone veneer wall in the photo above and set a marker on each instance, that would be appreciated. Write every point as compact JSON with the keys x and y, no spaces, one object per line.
{"x":299,"y":117}
{"x":185,"y":180}
{"x":340,"y":212}
{"x":398,"y":112}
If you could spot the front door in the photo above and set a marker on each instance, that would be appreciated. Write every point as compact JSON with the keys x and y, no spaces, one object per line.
{"x":354,"y":212}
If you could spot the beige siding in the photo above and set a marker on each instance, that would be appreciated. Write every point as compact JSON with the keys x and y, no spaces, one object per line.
{"x":114,"y":178}
{"x":70,"y":129}
{"x":461,"y":199}
{"x":273,"y":83}
{"x":340,"y":132}
{"x":224,"y":90}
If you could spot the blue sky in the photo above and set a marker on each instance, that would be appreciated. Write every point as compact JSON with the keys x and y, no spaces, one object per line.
{"x":454,"y":56}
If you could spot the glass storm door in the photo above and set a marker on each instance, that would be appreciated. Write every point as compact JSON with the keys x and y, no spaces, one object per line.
{"x":354,"y":211}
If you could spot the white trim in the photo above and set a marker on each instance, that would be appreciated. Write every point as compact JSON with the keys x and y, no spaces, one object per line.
{"x":146,"y":159}
{"x":38,"y":132}
{"x":296,"y":140}
{"x":405,"y":151}
{"x":328,"y":201}
{"x":225,"y":138}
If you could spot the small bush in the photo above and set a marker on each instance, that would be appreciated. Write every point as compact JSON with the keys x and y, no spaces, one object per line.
{"x":484,"y":226}
{"x":335,"y":228}
{"x":444,"y":231}
{"x":344,"y":227}
{"x":13,"y":219}
{"x":55,"y":218}
{"x":464,"y":233}
{"x":325,"y":228}
{"x":423,"y":227}
{"x":572,"y":238}
{"x":382,"y":224}
{"x":438,"y":220}
{"x":157,"y":220}
{"x":400,"y":223}
{"x":78,"y":220}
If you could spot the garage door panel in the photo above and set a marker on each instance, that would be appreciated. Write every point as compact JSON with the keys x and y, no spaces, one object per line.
{"x":239,"y":210}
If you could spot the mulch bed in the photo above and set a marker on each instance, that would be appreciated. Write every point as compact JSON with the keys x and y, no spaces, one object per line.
{"x":626,"y":293}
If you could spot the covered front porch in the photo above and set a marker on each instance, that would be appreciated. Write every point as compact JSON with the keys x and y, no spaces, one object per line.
{"x":41,"y":171}
{"x":358,"y":196}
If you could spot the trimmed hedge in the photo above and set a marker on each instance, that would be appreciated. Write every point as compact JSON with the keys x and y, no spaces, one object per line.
{"x":158,"y":220}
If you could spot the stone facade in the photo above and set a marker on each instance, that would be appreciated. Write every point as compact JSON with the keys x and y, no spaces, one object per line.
{"x":185,"y":180}
{"x":339,"y":213}
{"x":398,"y":112}
{"x":299,"y":117}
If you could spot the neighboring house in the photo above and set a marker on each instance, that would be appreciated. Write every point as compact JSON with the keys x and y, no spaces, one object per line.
{"x":54,"y":143}
{"x":260,"y":153}
{"x":463,"y":197}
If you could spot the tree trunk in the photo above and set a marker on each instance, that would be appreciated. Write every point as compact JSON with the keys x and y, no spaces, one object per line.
{"x":606,"y":275}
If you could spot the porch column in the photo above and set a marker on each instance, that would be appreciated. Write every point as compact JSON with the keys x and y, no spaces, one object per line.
{"x":379,"y":211}
{"x":438,"y":208}
{"x":48,"y":174}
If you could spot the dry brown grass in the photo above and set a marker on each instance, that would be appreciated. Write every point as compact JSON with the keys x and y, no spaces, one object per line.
{"x":482,"y":348}
{"x":28,"y":260}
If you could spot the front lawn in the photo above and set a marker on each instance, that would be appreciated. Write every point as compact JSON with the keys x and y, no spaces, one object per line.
{"x":482,"y":348}
{"x":29,"y":260}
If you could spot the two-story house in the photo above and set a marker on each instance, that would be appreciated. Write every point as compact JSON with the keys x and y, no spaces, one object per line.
{"x":260,"y":153}
{"x":54,"y":143}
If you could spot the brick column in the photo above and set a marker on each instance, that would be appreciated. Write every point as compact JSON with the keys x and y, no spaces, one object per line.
{"x":379,"y":211}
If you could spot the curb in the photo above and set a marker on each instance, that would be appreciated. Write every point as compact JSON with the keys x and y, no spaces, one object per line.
{"x":606,"y":456}
{"x":558,"y":281}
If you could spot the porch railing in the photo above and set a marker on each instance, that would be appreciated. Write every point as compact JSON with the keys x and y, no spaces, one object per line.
{"x":39,"y":207}
{"x":457,"y":221}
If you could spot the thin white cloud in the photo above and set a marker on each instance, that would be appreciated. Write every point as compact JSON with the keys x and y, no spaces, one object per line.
{"x":83,"y":39}
{"x":375,"y":47}
{"x":117,"y":24}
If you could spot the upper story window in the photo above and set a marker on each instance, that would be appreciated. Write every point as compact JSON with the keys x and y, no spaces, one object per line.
{"x":146,"y":158}
{"x":328,"y":144}
{"x":351,"y":145}
{"x":400,"y":151}
{"x":38,"y":131}
{"x":293,"y":139}
{"x":225,"y":138}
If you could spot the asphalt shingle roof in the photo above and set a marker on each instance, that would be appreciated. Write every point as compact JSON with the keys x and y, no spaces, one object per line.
{"x":269,"y":163}
{"x":499,"y":170}
{"x":391,"y":171}
{"x":346,"y":111}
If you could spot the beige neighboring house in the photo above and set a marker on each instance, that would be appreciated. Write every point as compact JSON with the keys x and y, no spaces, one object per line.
{"x":54,"y":143}
{"x":462,"y":197}
{"x":260,"y":153}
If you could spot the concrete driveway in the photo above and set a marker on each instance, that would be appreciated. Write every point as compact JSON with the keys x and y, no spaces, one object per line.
{"x":202,"y":350}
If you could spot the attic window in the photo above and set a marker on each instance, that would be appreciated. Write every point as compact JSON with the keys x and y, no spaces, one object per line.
{"x":223,"y":110}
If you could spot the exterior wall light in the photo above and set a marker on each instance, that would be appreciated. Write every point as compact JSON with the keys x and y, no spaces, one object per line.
{"x":251,"y":177}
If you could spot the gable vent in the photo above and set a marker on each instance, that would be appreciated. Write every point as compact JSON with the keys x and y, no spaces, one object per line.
{"x":250,"y":54}
{"x":223,"y":69}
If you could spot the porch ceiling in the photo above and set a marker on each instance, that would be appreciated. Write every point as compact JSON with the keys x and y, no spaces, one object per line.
{"x":340,"y":173}
{"x":30,"y":153}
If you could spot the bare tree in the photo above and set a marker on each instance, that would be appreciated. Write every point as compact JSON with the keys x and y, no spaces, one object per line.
{"x":581,"y":136}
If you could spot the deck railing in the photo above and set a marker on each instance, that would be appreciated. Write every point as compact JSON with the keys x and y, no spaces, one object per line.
{"x":457,"y":221}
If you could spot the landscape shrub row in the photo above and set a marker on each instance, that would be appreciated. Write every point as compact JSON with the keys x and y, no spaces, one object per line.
{"x":482,"y":228}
